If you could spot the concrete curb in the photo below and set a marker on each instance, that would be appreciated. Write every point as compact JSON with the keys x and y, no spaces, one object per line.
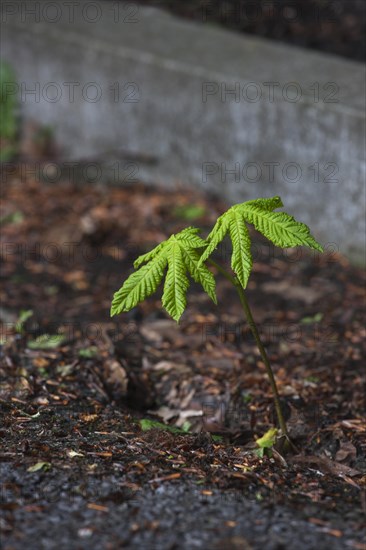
{"x":238,"y":116}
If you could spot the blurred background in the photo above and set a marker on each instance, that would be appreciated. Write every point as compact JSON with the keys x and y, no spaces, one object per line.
{"x":239,"y":99}
{"x":122,"y":123}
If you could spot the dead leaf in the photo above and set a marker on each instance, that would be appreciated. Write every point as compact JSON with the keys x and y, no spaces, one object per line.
{"x":39,"y":466}
{"x":116,"y":376}
{"x":346,"y":452}
{"x":327,"y":466}
{"x":159,"y":330}
{"x":293,"y":292}
{"x":73,"y":454}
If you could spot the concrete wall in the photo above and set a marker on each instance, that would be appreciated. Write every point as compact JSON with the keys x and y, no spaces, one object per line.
{"x":195,"y":104}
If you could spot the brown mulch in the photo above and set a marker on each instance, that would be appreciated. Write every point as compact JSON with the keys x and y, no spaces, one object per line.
{"x":74,"y":384}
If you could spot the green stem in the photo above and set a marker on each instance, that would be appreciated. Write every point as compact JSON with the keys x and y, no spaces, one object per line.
{"x":254,"y":329}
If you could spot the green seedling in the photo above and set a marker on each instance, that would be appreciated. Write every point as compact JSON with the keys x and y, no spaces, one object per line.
{"x":88,"y":353}
{"x":24,"y":315}
{"x":13,"y":218}
{"x":47,"y":341}
{"x":146,"y":425}
{"x":187,"y":253}
{"x":266,"y":442}
{"x":189,"y":212}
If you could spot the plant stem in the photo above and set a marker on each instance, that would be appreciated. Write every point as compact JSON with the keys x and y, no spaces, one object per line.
{"x":261,"y":348}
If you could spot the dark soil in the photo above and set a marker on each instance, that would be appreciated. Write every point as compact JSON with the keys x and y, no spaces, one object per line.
{"x":78,"y":471}
{"x":331,"y":26}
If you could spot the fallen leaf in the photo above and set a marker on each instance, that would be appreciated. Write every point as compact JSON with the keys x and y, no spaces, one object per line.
{"x":293,"y":292}
{"x":46,"y":341}
{"x":268,"y":439}
{"x":88,"y":353}
{"x":327,"y":466}
{"x":72,"y":453}
{"x":147,"y":424}
{"x":347,"y":451}
{"x":115,"y":376}
{"x":39,"y":466}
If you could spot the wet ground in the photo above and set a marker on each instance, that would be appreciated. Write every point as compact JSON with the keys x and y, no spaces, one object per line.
{"x":82,"y":465}
{"x":95,"y":512}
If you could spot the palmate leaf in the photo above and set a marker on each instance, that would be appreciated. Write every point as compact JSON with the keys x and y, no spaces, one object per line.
{"x":180,"y":255}
{"x":268,"y":204}
{"x":280,"y":228}
{"x":139,"y":285}
{"x":176,"y":283}
{"x":217,"y":234}
{"x":241,"y":259}
{"x":201,"y":274}
{"x":144,"y":258}
{"x":187,"y":235}
{"x":190,"y":237}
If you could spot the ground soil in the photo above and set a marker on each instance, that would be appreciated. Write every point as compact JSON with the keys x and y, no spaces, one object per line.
{"x":78,"y":470}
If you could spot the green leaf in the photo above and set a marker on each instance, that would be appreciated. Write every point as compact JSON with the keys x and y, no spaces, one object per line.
{"x":180,"y":255}
{"x":176,"y":284}
{"x":149,"y":255}
{"x":186,"y":426}
{"x":217,"y":234}
{"x":147,"y":424}
{"x":200,"y":274}
{"x":189,"y":212}
{"x":24,"y":315}
{"x":268,"y":204}
{"x":280,"y":228}
{"x":88,"y":353}
{"x":139,"y":285}
{"x":39,"y":466}
{"x":190,"y":238}
{"x":312,"y":319}
{"x":217,"y":438}
{"x":15,"y":218}
{"x":241,"y":259}
{"x":268,"y":439}
{"x":266,"y":442}
{"x":46,"y":341}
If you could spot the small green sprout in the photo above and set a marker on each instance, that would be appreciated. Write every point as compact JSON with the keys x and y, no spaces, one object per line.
{"x":185,"y":253}
{"x":266,"y":442}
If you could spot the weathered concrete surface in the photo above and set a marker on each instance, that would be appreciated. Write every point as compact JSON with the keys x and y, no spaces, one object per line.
{"x":143,"y":81}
